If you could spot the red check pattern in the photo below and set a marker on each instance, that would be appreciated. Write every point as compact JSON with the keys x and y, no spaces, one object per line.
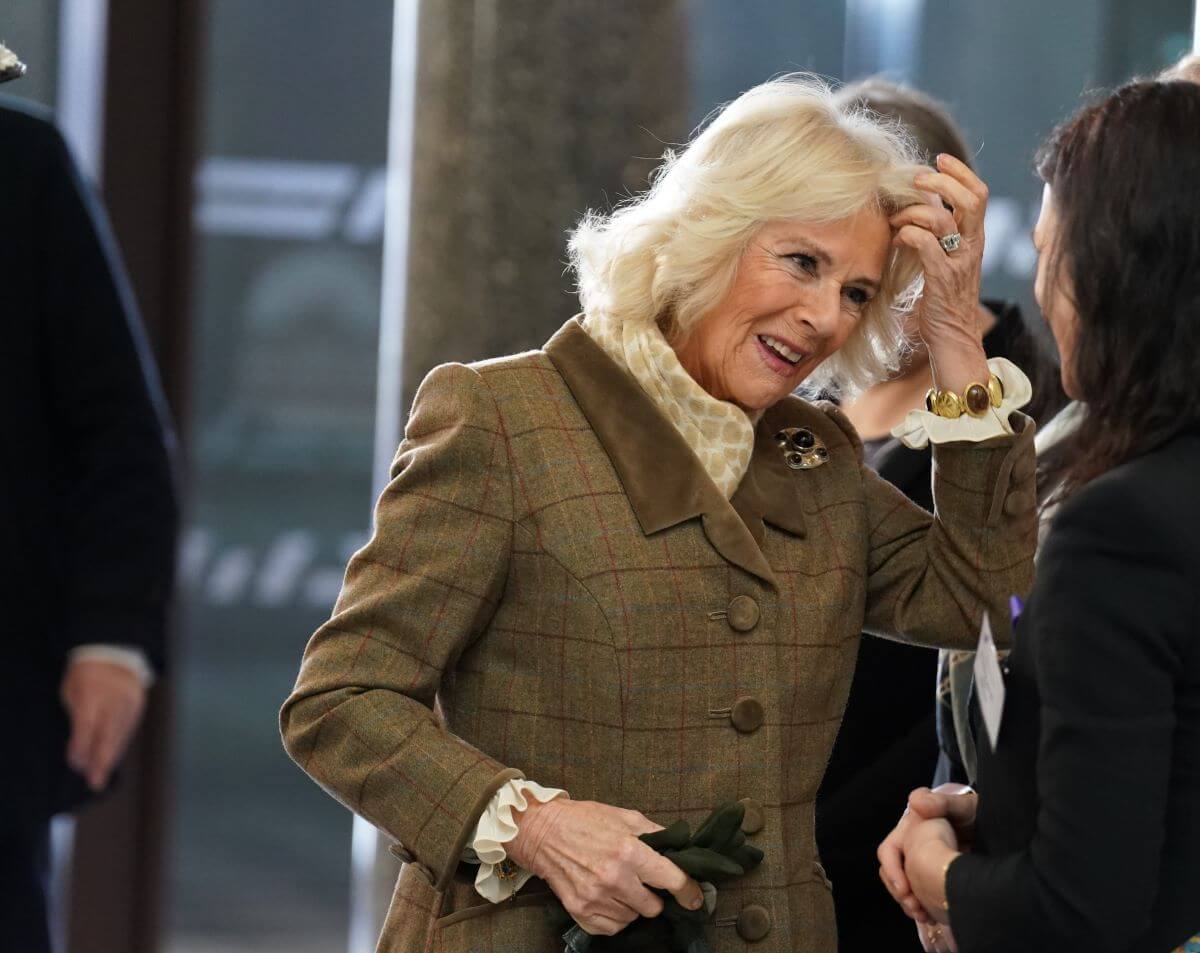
{"x":510,"y":615}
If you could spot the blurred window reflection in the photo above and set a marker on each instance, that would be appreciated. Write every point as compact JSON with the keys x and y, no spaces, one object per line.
{"x":288,"y":215}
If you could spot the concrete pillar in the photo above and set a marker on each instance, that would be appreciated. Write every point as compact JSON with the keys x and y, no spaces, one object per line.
{"x":528,"y":112}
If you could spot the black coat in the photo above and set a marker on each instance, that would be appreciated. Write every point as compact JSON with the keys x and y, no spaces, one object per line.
{"x":87,"y":508}
{"x":888,"y":741}
{"x":1089,"y":820}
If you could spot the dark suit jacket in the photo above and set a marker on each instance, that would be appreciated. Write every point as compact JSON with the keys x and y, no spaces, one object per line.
{"x":888,"y":743}
{"x":87,"y":510}
{"x":1089,"y":819}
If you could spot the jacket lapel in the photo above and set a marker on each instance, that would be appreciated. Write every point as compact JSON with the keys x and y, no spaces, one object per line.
{"x":770,"y":491}
{"x":662,"y":478}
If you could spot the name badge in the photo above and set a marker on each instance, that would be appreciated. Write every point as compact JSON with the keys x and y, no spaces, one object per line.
{"x":989,"y":683}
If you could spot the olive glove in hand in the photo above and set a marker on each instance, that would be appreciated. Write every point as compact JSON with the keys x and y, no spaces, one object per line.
{"x":716,"y":853}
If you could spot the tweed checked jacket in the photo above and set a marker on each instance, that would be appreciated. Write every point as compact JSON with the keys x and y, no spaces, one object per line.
{"x":556,"y":589}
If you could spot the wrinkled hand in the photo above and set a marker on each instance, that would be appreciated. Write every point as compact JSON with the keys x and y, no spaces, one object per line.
{"x":590,"y":856}
{"x":956,"y":804}
{"x":104,"y":702}
{"x":948,"y":312}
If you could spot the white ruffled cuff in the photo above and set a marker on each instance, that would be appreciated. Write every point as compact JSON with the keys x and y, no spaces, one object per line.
{"x":922,"y":427}
{"x":495,"y":829}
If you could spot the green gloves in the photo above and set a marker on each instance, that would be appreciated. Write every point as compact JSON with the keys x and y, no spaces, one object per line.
{"x":716,"y":853}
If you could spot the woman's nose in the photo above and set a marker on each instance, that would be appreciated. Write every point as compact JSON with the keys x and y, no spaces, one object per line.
{"x":822,"y":311}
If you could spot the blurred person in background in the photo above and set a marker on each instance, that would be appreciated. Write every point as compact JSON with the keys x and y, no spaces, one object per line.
{"x":1083,"y":834}
{"x":87,"y":508}
{"x":633,"y":567}
{"x":889,"y":740}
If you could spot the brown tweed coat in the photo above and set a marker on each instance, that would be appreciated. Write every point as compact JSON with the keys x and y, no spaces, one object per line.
{"x":556,"y":589}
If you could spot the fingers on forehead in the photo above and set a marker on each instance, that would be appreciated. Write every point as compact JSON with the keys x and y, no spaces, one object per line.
{"x":936,"y":218}
{"x":950,"y":189}
{"x":963,"y":173}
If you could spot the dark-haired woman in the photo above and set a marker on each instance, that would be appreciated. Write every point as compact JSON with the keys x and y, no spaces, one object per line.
{"x":1085,"y":833}
{"x":888,"y":741}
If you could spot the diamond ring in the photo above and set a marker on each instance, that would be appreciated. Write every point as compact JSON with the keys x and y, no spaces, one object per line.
{"x":950,"y":242}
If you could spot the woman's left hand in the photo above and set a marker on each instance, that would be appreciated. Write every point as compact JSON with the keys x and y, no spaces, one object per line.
{"x":928,"y":848}
{"x":948,"y":312}
{"x":936,"y":938}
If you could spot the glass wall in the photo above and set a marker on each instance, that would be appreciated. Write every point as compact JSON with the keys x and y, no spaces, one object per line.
{"x":289,"y":218}
{"x":1008,"y":71}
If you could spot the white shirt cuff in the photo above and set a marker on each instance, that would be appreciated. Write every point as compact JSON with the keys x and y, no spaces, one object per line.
{"x":922,"y":427}
{"x":133,"y":659}
{"x":495,"y":829}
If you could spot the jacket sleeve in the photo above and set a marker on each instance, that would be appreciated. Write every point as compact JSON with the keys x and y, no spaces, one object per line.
{"x":1115,"y":608}
{"x":362,"y":719}
{"x":931,"y":577}
{"x":111,"y":430}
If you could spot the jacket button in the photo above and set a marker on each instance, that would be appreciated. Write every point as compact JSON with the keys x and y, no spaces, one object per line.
{"x":747,"y":715}
{"x":1018,"y":502}
{"x":743,"y":613}
{"x":753,"y":923}
{"x":754,"y":818}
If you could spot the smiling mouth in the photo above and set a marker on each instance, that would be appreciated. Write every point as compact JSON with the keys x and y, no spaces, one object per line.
{"x":779,"y":350}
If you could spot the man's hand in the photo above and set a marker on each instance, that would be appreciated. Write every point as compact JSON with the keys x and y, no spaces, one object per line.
{"x":105,"y":703}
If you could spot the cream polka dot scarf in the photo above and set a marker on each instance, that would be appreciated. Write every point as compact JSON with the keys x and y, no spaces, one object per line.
{"x":721,"y":434}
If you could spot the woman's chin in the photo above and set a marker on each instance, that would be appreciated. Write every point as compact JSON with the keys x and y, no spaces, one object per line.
{"x":756,"y":400}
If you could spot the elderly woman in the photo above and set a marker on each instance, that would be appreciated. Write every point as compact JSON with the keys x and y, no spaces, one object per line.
{"x":633,"y":569}
{"x":1084,"y":833}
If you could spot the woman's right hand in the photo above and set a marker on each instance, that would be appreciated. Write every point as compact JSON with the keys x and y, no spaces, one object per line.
{"x":954,"y":802}
{"x":957,"y":803}
{"x":591,"y":857}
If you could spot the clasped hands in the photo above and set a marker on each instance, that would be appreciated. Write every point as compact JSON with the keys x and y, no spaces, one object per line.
{"x":937,"y":826}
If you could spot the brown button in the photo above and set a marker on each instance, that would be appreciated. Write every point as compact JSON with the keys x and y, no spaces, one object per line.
{"x":754,"y":818}
{"x":742,"y":613}
{"x":1018,"y":502}
{"x":747,"y":715}
{"x":1023,"y":469}
{"x":753,"y":923}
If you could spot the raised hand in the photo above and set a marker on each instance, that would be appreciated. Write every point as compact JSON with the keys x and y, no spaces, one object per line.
{"x":948,"y":312}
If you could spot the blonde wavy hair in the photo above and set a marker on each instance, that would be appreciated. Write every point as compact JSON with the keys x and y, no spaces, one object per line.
{"x":782,"y":150}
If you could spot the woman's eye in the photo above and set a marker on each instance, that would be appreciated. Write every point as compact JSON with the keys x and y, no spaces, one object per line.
{"x":858,"y":297}
{"x":807,"y":262}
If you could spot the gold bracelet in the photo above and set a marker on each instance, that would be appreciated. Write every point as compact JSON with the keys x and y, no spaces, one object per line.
{"x":946,"y":884}
{"x":975,"y":399}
